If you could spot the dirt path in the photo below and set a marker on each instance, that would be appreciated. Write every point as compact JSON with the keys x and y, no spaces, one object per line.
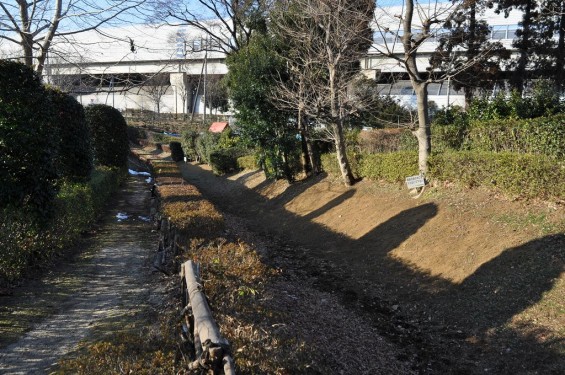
{"x":468,"y":282}
{"x":99,"y":292}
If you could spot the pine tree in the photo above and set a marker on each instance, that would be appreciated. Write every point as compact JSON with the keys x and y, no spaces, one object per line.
{"x":467,"y":33}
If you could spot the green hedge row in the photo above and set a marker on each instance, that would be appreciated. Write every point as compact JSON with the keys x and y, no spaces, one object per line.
{"x":524,"y":175}
{"x":542,"y":135}
{"x":25,"y":241}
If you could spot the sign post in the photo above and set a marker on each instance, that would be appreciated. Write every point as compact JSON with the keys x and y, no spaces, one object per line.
{"x":414,"y":182}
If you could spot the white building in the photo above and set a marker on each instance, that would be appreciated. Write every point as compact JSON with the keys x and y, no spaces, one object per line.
{"x":167,"y":68}
{"x":143,"y":67}
{"x":386,"y":39}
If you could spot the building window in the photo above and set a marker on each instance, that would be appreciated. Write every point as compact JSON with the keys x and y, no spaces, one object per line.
{"x":501,"y":32}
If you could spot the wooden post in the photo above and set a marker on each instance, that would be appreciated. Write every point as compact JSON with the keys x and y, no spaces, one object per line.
{"x":211,"y":348}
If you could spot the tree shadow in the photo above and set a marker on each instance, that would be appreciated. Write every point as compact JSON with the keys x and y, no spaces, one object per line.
{"x":453,"y":328}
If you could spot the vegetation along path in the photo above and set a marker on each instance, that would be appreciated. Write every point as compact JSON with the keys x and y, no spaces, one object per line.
{"x":105,"y":288}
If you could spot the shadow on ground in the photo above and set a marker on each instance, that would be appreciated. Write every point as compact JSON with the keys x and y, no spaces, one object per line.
{"x":451,"y":328}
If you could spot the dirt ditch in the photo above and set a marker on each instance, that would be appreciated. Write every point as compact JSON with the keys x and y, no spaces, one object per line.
{"x":462,"y":281}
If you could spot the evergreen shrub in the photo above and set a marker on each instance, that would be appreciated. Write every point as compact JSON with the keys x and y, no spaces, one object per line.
{"x":135,"y":134}
{"x":28,"y":144}
{"x":188,"y":142}
{"x":74,"y":158}
{"x":524,"y":175}
{"x":247,"y":162}
{"x":206,"y":143}
{"x":513,"y":174}
{"x":330,"y":165}
{"x":224,"y":161}
{"x":109,"y":134}
{"x":176,"y":151}
{"x":391,"y":166}
{"x":542,"y":135}
{"x":24,"y":243}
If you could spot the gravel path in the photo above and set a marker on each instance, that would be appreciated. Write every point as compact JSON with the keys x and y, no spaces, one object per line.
{"x":113,"y":286}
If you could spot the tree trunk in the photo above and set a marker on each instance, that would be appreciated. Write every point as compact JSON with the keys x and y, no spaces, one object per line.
{"x":560,"y":69}
{"x":339,"y":141}
{"x":423,"y":133}
{"x":472,"y":51}
{"x":519,"y":75}
{"x":341,"y":154}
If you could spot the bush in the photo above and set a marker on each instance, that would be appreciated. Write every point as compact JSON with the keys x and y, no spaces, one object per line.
{"x":27,"y":142}
{"x":524,"y":175}
{"x":225,"y":160}
{"x":206,"y":143}
{"x":330,"y":165}
{"x":188,"y":142}
{"x":24,"y":243}
{"x":247,"y":162}
{"x":176,"y":151}
{"x":109,"y":134}
{"x":135,"y":134}
{"x":530,"y":176}
{"x":391,"y":167}
{"x":543,"y":135}
{"x":74,"y":158}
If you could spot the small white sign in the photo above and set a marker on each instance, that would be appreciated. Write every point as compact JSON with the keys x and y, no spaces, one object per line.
{"x":415,"y":182}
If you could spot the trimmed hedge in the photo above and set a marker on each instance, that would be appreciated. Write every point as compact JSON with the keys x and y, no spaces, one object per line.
{"x":109,"y":133}
{"x":28,"y":144}
{"x":524,"y":175}
{"x":74,"y":158}
{"x":392,"y":166}
{"x":542,"y":135}
{"x":225,"y":160}
{"x":176,"y":151}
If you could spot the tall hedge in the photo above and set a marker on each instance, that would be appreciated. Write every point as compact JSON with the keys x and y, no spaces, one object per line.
{"x":525,"y":175}
{"x":108,"y":130}
{"x":514,"y":174}
{"x":27,"y":141}
{"x":542,"y":135}
{"x":74,"y":159}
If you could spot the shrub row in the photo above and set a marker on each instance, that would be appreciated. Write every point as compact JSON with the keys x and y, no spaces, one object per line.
{"x":524,"y":175}
{"x":24,"y":241}
{"x":46,"y":137}
{"x":177,"y":153}
{"x":542,"y":135}
{"x":109,"y":133}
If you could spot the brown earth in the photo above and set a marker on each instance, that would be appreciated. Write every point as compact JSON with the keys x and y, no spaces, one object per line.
{"x":464,"y":280}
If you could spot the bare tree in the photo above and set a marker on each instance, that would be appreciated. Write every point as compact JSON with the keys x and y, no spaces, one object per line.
{"x":404,"y":29}
{"x":155,"y":87}
{"x":326,"y":39}
{"x":33,"y":24}
{"x":227,"y":24}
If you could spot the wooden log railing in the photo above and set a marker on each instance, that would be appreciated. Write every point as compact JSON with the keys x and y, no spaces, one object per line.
{"x":211,"y":349}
